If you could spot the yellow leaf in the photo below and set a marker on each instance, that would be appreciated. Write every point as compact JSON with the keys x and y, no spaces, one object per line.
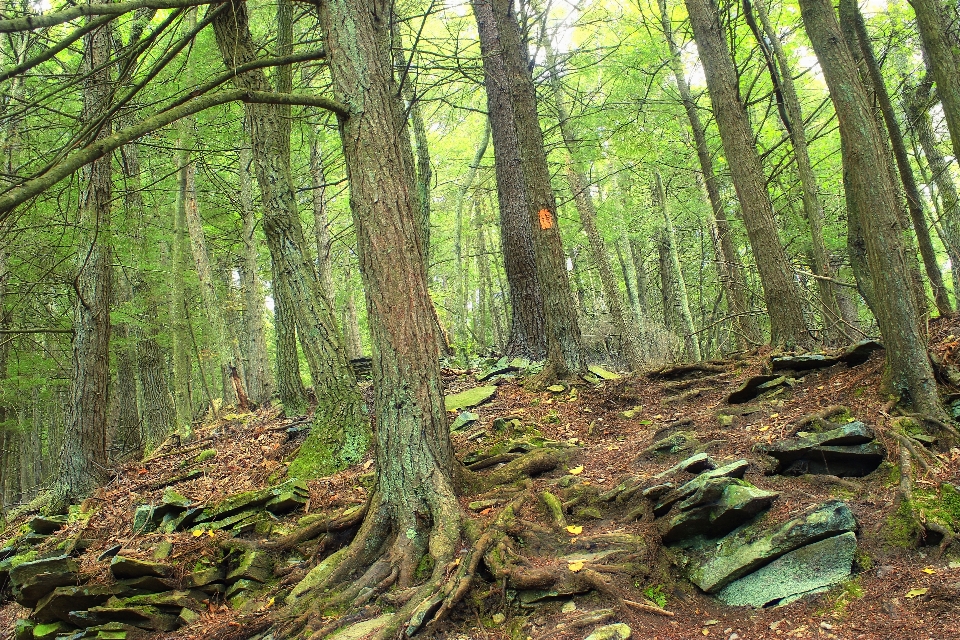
{"x":764,"y":428}
{"x":573,"y":539}
{"x":774,"y":415}
{"x":198,"y":533}
{"x":913,"y":593}
{"x":705,"y":632}
{"x":576,"y":470}
{"x":575,"y":566}
{"x":211,"y":534}
{"x":929,"y":570}
{"x":575,"y":529}
{"x":268,"y":604}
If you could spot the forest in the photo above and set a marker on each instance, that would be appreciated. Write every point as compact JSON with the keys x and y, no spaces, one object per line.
{"x":331,"y":215}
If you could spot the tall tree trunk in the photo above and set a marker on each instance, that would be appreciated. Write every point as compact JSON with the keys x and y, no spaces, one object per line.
{"x":565,"y":352}
{"x":780,"y":290}
{"x":463,"y":281}
{"x":791,"y":116}
{"x":914,"y":201}
{"x":83,"y":460}
{"x":259,"y":377}
{"x":290,"y":389}
{"x":679,"y":302}
{"x":731,"y":271}
{"x":321,"y":224}
{"x":866,"y":169}
{"x":623,"y":321}
{"x":340,"y":430}
{"x":943,"y":61}
{"x":528,"y":335}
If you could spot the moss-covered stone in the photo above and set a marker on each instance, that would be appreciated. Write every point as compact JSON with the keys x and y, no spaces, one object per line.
{"x":328,"y":449}
{"x":51,"y":630}
{"x":469,"y":398}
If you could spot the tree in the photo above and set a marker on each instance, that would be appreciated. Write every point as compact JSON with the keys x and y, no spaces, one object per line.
{"x":869,"y":179}
{"x":781,"y":293}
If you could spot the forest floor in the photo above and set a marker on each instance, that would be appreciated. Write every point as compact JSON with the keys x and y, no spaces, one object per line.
{"x":253,"y":449}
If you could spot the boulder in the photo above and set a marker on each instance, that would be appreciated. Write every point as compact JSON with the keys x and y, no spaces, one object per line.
{"x":110,"y":631}
{"x":45,"y":525}
{"x":62,"y":600}
{"x":736,"y":556}
{"x":23,"y":629}
{"x":142,"y":617}
{"x":469,"y":398}
{"x":860,"y":352}
{"x":847,"y":451}
{"x":33,"y":580}
{"x":717,"y":508}
{"x":697,"y":464}
{"x":674,"y":443}
{"x":167,"y":601}
{"x":806,"y":570}
{"x":51,"y":630}
{"x":733,"y":470}
{"x":126,"y":567}
{"x":204,"y":576}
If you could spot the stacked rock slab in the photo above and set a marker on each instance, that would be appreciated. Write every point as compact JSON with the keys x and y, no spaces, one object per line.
{"x":847,"y":450}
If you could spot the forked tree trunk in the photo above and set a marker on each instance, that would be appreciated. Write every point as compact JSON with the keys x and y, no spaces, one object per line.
{"x":528,"y":335}
{"x":871,"y":188}
{"x":780,"y":290}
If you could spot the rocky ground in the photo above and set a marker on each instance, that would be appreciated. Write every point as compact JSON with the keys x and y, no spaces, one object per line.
{"x":750,"y":498}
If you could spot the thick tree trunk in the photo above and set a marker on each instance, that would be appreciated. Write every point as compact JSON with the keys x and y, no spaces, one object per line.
{"x":729,"y":267}
{"x":914,"y":201}
{"x":565,"y":352}
{"x":414,"y":508}
{"x":321,"y":224}
{"x":83,"y":459}
{"x":528,"y":335}
{"x":792,"y":117}
{"x":782,"y":294}
{"x":290,"y":389}
{"x":340,"y":429}
{"x":866,"y":171}
{"x":259,"y":378}
{"x":943,"y":62}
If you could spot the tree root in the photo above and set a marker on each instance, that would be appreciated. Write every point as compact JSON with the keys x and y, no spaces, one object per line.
{"x":935,"y":421}
{"x":908,"y":443}
{"x":351,"y":517}
{"x":820,"y":416}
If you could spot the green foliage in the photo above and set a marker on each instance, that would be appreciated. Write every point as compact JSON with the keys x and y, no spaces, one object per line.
{"x":656,"y":595}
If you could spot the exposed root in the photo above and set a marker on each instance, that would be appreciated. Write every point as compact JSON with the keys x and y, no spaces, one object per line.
{"x":531,"y":464}
{"x":907,"y":443}
{"x":936,"y":422}
{"x":679,"y":371}
{"x":349,"y":518}
{"x":820,"y":416}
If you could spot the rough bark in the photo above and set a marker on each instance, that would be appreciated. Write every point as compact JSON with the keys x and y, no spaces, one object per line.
{"x":866,"y":171}
{"x":780,"y":290}
{"x":565,"y":352}
{"x":83,"y":459}
{"x":340,"y":428}
{"x":528,"y":336}
{"x":912,"y":192}
{"x":943,"y":63}
{"x":290,"y":389}
{"x":791,"y":116}
{"x":729,"y":267}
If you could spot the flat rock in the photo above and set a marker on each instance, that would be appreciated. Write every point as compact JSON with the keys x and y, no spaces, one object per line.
{"x":733,"y":470}
{"x":45,"y":525}
{"x":735,"y":556}
{"x":164,"y":600}
{"x":33,"y":580}
{"x":750,"y":389}
{"x":144,"y":584}
{"x":697,"y":464}
{"x":602,"y":373}
{"x":674,"y":443}
{"x":804,"y":362}
{"x":860,"y":352}
{"x":149,"y":618}
{"x":847,"y":451}
{"x":253,"y":565}
{"x":737,"y":503}
{"x":205,"y":576}
{"x":126,"y":567}
{"x":363,"y":629}
{"x":465,"y":419}
{"x":808,"y":569}
{"x":62,"y":600}
{"x":111,"y":631}
{"x":51,"y":630}
{"x":469,"y":398}
{"x":617,"y":631}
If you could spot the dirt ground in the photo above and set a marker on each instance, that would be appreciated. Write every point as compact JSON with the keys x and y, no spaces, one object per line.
{"x":876,"y":604}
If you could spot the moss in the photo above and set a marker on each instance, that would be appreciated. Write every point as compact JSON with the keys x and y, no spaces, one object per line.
{"x":425,"y":568}
{"x":902,"y":528}
{"x":328,"y":449}
{"x":201,"y":457}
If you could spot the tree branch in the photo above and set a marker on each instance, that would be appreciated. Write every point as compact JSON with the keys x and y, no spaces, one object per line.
{"x":30,"y":23}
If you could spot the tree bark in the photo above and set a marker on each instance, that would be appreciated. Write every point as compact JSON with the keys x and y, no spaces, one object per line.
{"x":866,"y":171}
{"x":781,"y":292}
{"x":943,"y":63}
{"x":83,"y":460}
{"x":528,"y":337}
{"x":914,"y":201}
{"x":730,"y":269}
{"x":290,"y":389}
{"x":340,"y":429}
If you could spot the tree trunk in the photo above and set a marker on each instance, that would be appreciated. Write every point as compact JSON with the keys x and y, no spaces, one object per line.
{"x":528,"y":336}
{"x":259,"y":377}
{"x":413,"y":508}
{"x":83,"y":460}
{"x":565,"y":352}
{"x":914,"y":201}
{"x":866,"y":170}
{"x":678,"y":301}
{"x":781,"y":292}
{"x":943,"y":63}
{"x":321,"y":224}
{"x":290,"y":389}
{"x":340,"y":429}
{"x":731,"y":271}
{"x":791,"y":116}
{"x":461,"y":331}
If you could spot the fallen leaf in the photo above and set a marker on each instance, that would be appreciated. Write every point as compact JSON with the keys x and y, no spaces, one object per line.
{"x":575,"y":529}
{"x":487,"y":511}
{"x":913,"y":593}
{"x":929,"y":570}
{"x":575,"y":566}
{"x":268,"y":604}
{"x":774,"y":415}
{"x":705,"y":632}
{"x":211,"y":534}
{"x":764,"y":428}
{"x":576,"y":470}
{"x":198,"y":533}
